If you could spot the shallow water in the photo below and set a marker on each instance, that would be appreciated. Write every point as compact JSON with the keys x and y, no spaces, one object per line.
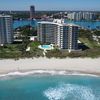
{"x":50,"y":87}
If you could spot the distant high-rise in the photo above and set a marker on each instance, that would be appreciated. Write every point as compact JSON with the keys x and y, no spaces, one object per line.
{"x":65,"y":36}
{"x":32,"y":12}
{"x":78,"y":16}
{"x":6,"y":29}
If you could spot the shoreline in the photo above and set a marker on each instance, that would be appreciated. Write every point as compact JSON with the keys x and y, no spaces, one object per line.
{"x":48,"y":72}
{"x":86,"y":66}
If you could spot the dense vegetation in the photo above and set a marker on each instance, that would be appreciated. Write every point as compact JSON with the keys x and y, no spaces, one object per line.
{"x":86,"y":37}
{"x":18,"y":51}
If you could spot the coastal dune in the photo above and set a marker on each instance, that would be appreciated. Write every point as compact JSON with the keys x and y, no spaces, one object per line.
{"x":86,"y":65}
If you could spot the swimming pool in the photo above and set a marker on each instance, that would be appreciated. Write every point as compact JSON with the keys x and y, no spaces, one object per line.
{"x":46,"y":47}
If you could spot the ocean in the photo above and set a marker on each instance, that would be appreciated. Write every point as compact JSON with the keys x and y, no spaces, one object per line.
{"x":49,"y":87}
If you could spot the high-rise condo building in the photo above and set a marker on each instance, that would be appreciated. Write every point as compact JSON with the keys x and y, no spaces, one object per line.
{"x":32,"y":12}
{"x":78,"y":16}
{"x":6,"y":29}
{"x":65,"y":36}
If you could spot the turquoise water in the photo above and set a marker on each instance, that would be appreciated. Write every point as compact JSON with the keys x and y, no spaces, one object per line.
{"x":50,"y":87}
{"x":85,"y":24}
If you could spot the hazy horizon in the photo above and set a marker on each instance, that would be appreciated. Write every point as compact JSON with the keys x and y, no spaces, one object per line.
{"x":50,"y":5}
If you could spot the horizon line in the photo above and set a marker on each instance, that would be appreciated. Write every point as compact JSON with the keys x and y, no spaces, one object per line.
{"x":52,"y":10}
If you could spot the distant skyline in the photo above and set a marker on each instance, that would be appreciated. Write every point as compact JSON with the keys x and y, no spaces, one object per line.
{"x":50,"y":4}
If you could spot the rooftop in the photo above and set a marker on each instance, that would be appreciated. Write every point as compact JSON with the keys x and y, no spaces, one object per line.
{"x":58,"y":22}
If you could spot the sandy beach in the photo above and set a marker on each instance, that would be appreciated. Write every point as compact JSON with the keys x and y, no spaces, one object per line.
{"x":84,"y":65}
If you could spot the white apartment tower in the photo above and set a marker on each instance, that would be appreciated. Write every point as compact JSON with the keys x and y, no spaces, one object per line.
{"x":65,"y":36}
{"x":6,"y":27}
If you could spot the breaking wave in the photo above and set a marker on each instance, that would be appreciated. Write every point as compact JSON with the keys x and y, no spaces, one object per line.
{"x":70,"y":92}
{"x":51,"y":72}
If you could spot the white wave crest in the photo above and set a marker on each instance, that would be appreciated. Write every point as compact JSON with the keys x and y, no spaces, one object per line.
{"x":51,"y":72}
{"x":69,"y":92}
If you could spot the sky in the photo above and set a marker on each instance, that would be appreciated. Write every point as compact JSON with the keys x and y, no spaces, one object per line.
{"x":50,"y":4}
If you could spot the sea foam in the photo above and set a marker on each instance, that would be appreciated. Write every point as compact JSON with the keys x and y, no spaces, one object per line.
{"x":69,"y":92}
{"x":51,"y":72}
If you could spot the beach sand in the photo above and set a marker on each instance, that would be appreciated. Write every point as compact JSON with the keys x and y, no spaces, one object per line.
{"x":84,"y":65}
